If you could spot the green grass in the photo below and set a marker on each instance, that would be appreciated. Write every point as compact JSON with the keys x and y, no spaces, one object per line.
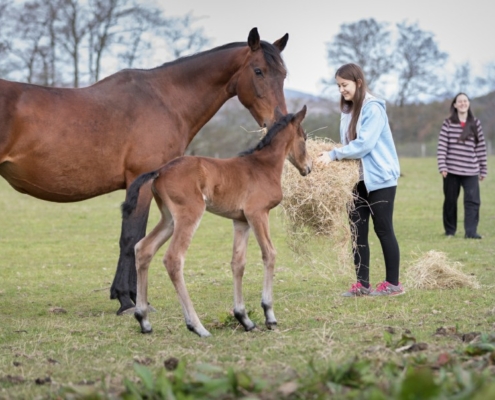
{"x":57,"y":263}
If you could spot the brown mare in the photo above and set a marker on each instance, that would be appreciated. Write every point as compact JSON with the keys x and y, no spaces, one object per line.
{"x":67,"y":145}
{"x":243,"y":189}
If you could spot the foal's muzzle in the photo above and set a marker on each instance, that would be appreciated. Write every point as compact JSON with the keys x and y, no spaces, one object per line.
{"x":307,"y":169}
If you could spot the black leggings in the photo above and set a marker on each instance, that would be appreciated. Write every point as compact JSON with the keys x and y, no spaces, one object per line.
{"x":380,"y":205}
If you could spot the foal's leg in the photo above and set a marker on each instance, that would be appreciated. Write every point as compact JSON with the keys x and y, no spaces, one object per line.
{"x":261,"y":229}
{"x":133,"y":229}
{"x":241,"y":236}
{"x":145,"y":250}
{"x":184,"y":229}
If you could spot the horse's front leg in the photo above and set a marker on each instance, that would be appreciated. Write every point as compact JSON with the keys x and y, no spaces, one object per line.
{"x":261,"y":229}
{"x":133,"y":230}
{"x":241,"y":236}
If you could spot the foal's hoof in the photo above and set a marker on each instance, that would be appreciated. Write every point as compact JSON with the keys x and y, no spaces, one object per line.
{"x":143,"y":323}
{"x":272,"y":325}
{"x":251,"y":327}
{"x":200,"y":331}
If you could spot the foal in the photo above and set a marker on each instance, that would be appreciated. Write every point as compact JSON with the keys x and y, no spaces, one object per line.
{"x":243,"y":189}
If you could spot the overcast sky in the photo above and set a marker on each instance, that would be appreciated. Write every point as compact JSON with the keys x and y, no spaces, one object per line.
{"x":463,"y":29}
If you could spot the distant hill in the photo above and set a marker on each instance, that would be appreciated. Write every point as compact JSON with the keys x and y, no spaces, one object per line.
{"x":316,"y":104}
{"x":291,"y":94}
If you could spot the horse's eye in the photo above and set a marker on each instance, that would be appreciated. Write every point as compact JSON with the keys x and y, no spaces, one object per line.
{"x":258,"y":72}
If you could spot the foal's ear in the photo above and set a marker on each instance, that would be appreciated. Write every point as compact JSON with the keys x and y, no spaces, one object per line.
{"x":300,"y":115}
{"x":282,"y":42}
{"x":254,"y":39}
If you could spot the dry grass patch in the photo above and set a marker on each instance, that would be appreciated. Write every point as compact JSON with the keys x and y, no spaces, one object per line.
{"x":433,"y":270}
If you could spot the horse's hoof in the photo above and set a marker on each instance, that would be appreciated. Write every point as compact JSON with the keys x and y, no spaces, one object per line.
{"x":146,"y":330}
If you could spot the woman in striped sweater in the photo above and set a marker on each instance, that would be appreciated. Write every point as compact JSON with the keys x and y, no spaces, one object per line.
{"x":461,"y":156}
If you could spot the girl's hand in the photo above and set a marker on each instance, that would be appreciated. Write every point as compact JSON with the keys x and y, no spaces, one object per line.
{"x":323,"y":158}
{"x":444,"y":174}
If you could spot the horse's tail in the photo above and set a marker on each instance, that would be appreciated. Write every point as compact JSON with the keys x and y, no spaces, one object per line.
{"x":130,"y":203}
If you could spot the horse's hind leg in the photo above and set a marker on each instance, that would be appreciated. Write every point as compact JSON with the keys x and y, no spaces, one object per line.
{"x":174,"y":262}
{"x":145,"y":250}
{"x":261,"y":229}
{"x":133,"y":229}
{"x":241,"y":236}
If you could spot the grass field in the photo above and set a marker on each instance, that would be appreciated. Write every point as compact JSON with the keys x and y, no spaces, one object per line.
{"x":59,"y":330}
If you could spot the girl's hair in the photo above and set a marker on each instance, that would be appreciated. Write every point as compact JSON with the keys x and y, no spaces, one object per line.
{"x":470,"y":127}
{"x":353,"y":72}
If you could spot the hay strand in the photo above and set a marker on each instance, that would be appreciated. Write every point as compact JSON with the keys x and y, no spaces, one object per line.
{"x":433,"y":270}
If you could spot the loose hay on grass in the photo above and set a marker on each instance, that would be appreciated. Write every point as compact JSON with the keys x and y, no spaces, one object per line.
{"x":433,"y":270}
{"x":317,"y":206}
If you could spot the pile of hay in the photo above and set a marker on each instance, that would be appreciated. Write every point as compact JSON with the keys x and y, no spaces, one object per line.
{"x":317,"y":205}
{"x":433,"y":270}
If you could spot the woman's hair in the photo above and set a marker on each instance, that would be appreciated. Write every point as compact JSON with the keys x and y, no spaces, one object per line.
{"x":353,"y":72}
{"x":470,"y":127}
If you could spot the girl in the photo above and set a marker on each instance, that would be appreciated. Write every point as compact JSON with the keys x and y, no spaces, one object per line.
{"x":461,"y":156}
{"x":365,"y":134}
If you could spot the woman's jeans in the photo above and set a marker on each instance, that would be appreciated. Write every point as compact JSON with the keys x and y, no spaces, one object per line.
{"x":451,"y":189}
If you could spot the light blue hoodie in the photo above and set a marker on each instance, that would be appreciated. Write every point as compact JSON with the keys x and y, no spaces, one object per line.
{"x":374,"y":145}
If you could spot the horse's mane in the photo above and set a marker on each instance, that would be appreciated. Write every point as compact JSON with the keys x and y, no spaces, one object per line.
{"x":272,"y":55}
{"x":272,"y":132}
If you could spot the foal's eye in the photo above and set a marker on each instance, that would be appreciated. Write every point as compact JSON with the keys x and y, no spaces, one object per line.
{"x":258,"y":72}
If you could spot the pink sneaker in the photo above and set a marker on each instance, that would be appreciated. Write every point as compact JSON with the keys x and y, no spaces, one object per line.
{"x":357,"y":290}
{"x":387,"y":289}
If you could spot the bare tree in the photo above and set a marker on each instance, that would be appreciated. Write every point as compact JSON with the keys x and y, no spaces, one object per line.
{"x":486,"y":83}
{"x":5,"y":7}
{"x":74,"y":26}
{"x":419,"y":62}
{"x":54,"y":42}
{"x":366,"y":43}
{"x":182,"y":38}
{"x":4,"y":17}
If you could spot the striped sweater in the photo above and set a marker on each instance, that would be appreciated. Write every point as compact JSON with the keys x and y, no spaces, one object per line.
{"x":461,"y":158}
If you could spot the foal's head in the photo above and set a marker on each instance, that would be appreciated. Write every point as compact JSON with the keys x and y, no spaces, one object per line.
{"x":298,"y":154}
{"x":289,"y":126}
{"x":260,"y":83}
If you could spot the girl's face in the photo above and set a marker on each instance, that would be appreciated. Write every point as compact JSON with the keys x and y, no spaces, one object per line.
{"x":347,"y":88}
{"x":462,"y":104}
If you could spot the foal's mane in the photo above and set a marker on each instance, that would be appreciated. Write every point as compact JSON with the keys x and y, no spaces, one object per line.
{"x":272,"y":132}
{"x":271,"y":53}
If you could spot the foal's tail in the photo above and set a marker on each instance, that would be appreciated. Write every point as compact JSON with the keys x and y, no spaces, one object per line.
{"x":131,"y":199}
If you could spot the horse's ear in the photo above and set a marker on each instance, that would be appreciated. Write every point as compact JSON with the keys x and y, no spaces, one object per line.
{"x":300,"y":115}
{"x":254,"y":39}
{"x":282,"y":42}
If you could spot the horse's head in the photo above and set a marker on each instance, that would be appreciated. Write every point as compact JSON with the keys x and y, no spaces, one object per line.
{"x":298,"y":155}
{"x":259,"y":84}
